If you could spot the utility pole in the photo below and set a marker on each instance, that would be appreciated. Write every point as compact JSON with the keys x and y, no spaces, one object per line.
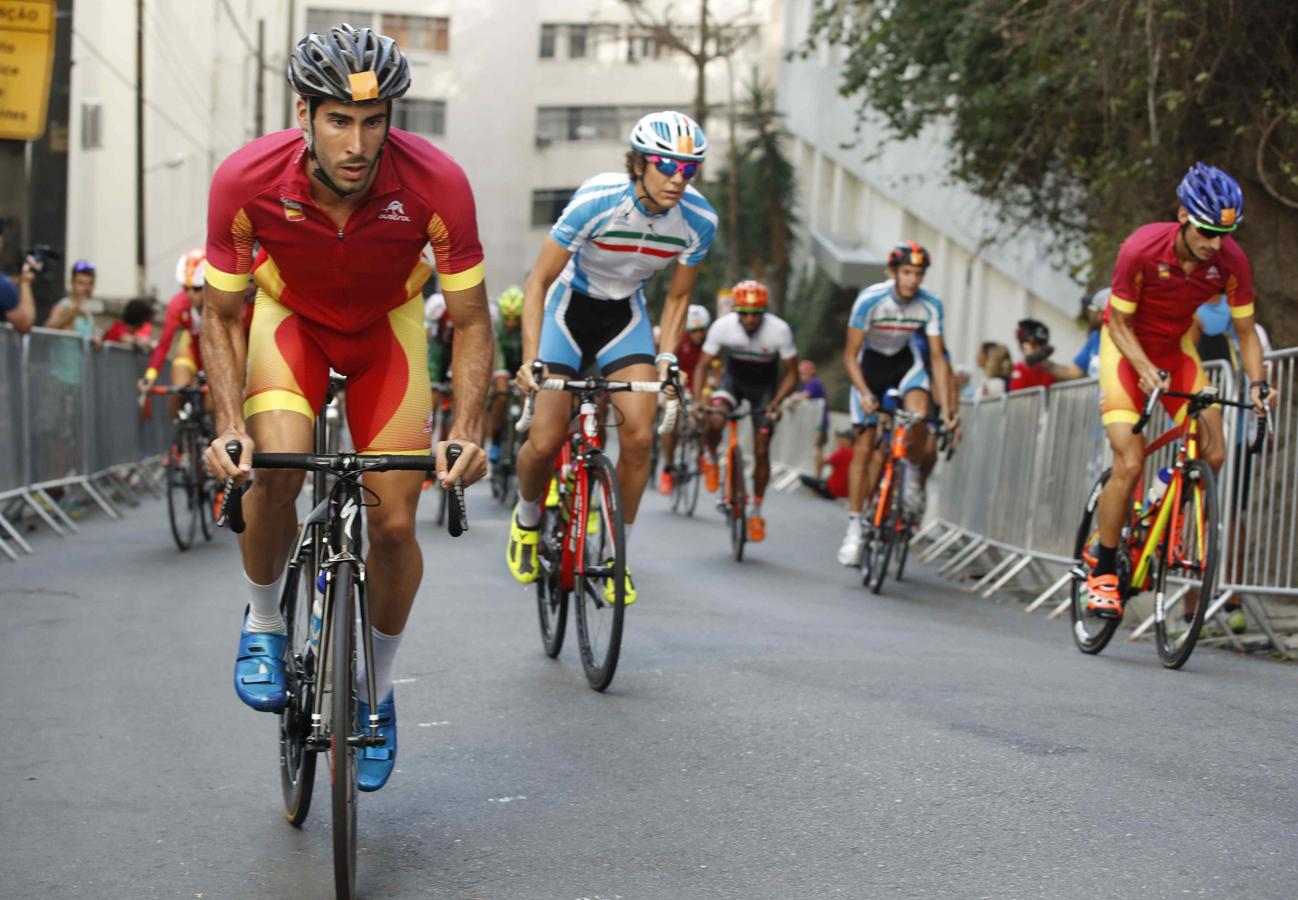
{"x":259,"y":119}
{"x":288,"y":52}
{"x":141,"y":276}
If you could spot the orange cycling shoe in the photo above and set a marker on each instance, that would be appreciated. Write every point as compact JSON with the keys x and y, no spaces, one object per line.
{"x":756,"y":529}
{"x":711,"y":477}
{"x":1102,"y":596}
{"x":666,"y":483}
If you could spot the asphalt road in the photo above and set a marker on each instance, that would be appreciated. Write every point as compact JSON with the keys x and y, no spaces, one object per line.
{"x":773,"y":732}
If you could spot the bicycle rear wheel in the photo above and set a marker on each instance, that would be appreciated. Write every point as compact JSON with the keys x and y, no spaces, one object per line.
{"x":903,"y":547}
{"x":205,"y":487}
{"x":737,"y":503}
{"x":601,"y":575}
{"x":551,"y":598}
{"x":180,"y":489}
{"x":342,"y":752}
{"x":1092,"y":633}
{"x":296,"y":760}
{"x":1191,"y":554}
{"x":877,"y":550}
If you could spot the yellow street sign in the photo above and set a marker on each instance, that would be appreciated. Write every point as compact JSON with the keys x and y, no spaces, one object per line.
{"x":26,"y":59}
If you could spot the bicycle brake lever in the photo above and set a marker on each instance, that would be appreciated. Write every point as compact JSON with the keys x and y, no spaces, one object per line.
{"x":232,"y":499}
{"x":457,"y":518}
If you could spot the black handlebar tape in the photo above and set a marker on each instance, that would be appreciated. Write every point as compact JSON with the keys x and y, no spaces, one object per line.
{"x":457,"y":519}
{"x":232,"y":502}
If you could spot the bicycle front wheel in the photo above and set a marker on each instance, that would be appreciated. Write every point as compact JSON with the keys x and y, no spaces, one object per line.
{"x":737,"y":498}
{"x":877,"y":551}
{"x":1189,"y":552}
{"x":296,"y":759}
{"x":342,"y":658}
{"x":551,"y":598}
{"x":601,"y":574}
{"x":180,"y":489}
{"x":1092,"y":633}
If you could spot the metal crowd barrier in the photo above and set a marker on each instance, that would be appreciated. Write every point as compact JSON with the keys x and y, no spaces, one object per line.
{"x":1013,"y":495}
{"x":793,"y":446}
{"x":69,"y":422}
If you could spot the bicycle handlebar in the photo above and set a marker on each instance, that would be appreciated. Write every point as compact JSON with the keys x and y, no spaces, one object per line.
{"x":576,"y":386}
{"x":1208,"y":397}
{"x":340,"y":464}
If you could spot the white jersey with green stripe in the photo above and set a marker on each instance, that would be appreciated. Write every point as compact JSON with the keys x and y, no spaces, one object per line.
{"x":617,"y":244}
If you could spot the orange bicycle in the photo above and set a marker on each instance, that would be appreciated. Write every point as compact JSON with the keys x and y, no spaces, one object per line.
{"x":1177,"y":534}
{"x":733,"y":503}
{"x":889,"y":525}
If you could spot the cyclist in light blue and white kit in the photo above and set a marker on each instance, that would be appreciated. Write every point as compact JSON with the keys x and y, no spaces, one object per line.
{"x":880,"y":354}
{"x":584,"y":307}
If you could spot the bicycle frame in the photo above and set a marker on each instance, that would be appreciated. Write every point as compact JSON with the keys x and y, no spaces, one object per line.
{"x":584,"y":440}
{"x":898,"y":446}
{"x":732,"y":444}
{"x":1188,"y":434}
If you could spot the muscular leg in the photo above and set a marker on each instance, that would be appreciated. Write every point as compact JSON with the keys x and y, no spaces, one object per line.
{"x":270,"y":505}
{"x":761,"y":462}
{"x":921,"y":442}
{"x":635,"y":437}
{"x":1128,"y":461}
{"x":856,"y":475}
{"x":182,"y":375}
{"x":877,"y":456}
{"x":394,"y":564}
{"x":713,"y":422}
{"x":536,"y":456}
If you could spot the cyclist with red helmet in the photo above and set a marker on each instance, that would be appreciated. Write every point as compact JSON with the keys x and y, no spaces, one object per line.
{"x":342,"y":207}
{"x":761,"y":366}
{"x":880,"y":355}
{"x":1164,"y":272}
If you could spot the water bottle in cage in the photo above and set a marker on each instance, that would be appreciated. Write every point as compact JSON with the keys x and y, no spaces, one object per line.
{"x":1157,"y":490}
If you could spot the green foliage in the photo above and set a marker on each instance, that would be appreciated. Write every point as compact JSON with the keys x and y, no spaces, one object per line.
{"x":1081,"y":114}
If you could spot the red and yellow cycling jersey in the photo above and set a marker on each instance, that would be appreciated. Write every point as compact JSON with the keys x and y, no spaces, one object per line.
{"x":344,"y":278}
{"x":181,"y":316}
{"x":1150,"y":285}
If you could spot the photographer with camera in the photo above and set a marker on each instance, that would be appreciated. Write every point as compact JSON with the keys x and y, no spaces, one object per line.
{"x":17,"y":303}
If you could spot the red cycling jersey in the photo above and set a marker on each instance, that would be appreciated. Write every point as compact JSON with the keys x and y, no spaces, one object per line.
{"x":687,"y":358}
{"x":180,"y":316}
{"x":1149,"y":283}
{"x":343,"y":278}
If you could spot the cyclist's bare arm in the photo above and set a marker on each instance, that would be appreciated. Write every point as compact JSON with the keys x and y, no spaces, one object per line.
{"x":1250,"y":355}
{"x":549,"y":264}
{"x":23,"y":316}
{"x":943,"y":380}
{"x":473,"y":356}
{"x":852,"y":362}
{"x":672,"y":322}
{"x":788,"y":384}
{"x":1124,"y":338}
{"x":224,"y":353}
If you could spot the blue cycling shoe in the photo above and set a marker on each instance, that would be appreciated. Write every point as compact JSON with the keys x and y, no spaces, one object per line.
{"x":375,"y":764}
{"x":259,"y":670}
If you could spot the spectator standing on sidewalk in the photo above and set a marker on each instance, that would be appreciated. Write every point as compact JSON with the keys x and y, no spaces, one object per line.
{"x":994,"y":361}
{"x":810,"y":387}
{"x":1034,"y":341}
{"x":134,"y":328}
{"x":17,"y":303}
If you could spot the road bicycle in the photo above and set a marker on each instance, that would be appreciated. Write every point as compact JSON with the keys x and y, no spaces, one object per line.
{"x":890,"y":526}
{"x":193,"y":498}
{"x":582,"y":545}
{"x":503,"y":469}
{"x":1177,"y":535}
{"x":325,"y":590}
{"x":733,"y":502}
{"x":686,"y":466}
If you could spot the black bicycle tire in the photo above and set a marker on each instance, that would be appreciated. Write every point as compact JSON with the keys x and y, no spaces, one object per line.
{"x":296,"y":760}
{"x":204,"y":490}
{"x":879,"y":552}
{"x":1086,"y":642}
{"x":903,"y":550}
{"x":343,"y":723}
{"x":738,"y":491}
{"x":679,"y":472}
{"x":693,"y":465}
{"x":551,"y":598}
{"x":178,"y":489}
{"x":1172,"y":656}
{"x":600,"y":471}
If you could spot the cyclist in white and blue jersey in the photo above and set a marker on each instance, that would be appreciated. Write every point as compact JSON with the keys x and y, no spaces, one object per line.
{"x":584,"y":307}
{"x":879,"y":355}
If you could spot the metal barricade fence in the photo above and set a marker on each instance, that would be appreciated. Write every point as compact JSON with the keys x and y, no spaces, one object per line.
{"x":1067,"y":468}
{"x":984,"y":469}
{"x":55,"y":373}
{"x":793,"y":445}
{"x":12,"y":443}
{"x":118,"y":434}
{"x":1008,"y":520}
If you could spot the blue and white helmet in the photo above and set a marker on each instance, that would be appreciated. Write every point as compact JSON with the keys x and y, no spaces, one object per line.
{"x":669,"y":133}
{"x":1212,"y":198}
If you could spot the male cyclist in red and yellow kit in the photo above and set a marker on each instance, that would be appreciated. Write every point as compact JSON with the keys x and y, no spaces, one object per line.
{"x":184,"y":312}
{"x":341,"y":218}
{"x":1165,"y":271}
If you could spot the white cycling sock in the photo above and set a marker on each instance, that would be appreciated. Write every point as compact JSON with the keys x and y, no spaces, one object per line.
{"x":529,"y":512}
{"x":263,"y":610}
{"x":385,"y":653}
{"x":854,"y":523}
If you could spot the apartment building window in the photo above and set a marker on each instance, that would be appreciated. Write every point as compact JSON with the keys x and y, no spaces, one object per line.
{"x":319,"y":21}
{"x":558,"y":124}
{"x":548,"y":204}
{"x":92,"y":130}
{"x":577,"y":41}
{"x":606,"y":43}
{"x":420,"y":116}
{"x":426,"y":34}
{"x":549,"y":40}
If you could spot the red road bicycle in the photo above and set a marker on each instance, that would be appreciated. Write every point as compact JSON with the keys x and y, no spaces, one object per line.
{"x":582,"y":546}
{"x":1177,"y":535}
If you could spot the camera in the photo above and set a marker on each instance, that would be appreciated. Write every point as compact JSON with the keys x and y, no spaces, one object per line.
{"x":43,"y":253}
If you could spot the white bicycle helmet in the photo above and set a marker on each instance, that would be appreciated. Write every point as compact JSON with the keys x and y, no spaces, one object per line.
{"x":697,"y":318}
{"x":190,"y":268}
{"x":669,"y":133}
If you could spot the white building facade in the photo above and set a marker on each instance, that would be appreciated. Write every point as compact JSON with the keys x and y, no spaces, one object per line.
{"x":860,"y":192}
{"x":531,"y":97}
